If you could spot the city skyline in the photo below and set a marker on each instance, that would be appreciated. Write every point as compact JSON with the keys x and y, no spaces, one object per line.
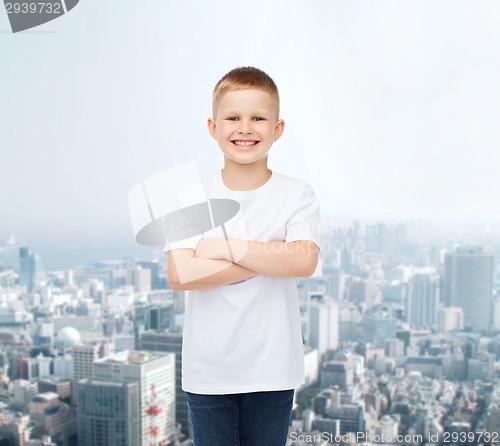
{"x":380,"y":343}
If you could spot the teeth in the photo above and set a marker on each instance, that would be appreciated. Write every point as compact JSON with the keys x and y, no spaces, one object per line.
{"x":245,"y":143}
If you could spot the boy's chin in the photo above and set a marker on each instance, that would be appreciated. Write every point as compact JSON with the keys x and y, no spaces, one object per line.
{"x":238,"y":162}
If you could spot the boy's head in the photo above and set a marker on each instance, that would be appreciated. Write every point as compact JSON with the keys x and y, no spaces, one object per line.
{"x":243,"y":78}
{"x":245,"y":120}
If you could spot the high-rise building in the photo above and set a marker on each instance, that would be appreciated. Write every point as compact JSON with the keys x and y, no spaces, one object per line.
{"x":336,"y":374}
{"x":153,"y":317}
{"x":351,"y":417}
{"x":395,"y":348}
{"x":108,"y":413}
{"x":43,"y":365}
{"x":311,"y":366}
{"x":23,"y":393}
{"x":155,"y":272}
{"x":323,"y":330}
{"x":335,"y":284}
{"x":496,"y":314}
{"x":450,"y":319}
{"x":68,"y":278}
{"x":44,"y":336}
{"x":141,"y":279}
{"x":493,"y":414}
{"x":31,"y":271}
{"x":84,"y":356}
{"x":124,"y":342}
{"x":171,"y":342}
{"x":422,"y":301}
{"x":378,"y":327}
{"x":481,"y":368}
{"x":63,"y":366}
{"x":468,"y":283}
{"x":28,"y":368}
{"x":27,"y":268}
{"x":362,"y":291}
{"x":155,"y":375}
{"x":327,"y":425}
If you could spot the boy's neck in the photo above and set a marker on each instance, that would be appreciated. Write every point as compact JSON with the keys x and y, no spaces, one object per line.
{"x":245,"y":177}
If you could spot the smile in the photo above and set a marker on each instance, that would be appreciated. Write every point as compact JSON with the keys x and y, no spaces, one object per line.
{"x":243,"y":143}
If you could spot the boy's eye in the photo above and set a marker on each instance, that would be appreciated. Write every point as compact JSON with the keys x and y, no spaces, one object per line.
{"x":258,"y":119}
{"x":232,"y":118}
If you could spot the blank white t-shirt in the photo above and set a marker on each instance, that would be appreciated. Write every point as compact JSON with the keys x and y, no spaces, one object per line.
{"x":246,"y":337}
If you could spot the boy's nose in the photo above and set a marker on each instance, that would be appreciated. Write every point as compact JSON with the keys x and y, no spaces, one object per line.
{"x":245,"y":127}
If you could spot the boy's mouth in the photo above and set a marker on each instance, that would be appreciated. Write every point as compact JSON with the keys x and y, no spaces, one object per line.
{"x":245,"y":143}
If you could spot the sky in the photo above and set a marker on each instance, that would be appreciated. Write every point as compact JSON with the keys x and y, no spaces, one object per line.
{"x":391,"y":108}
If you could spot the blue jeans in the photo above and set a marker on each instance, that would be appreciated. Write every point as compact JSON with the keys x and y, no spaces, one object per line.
{"x":240,"y":419}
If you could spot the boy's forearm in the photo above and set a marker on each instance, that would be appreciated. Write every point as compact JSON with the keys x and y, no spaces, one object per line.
{"x":199,"y":274}
{"x":277,"y":259}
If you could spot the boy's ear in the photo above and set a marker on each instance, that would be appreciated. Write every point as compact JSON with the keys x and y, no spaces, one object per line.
{"x":278,"y":130}
{"x":212,"y":128}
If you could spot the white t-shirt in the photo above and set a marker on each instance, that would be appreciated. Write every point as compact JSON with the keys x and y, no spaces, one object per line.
{"x":246,"y":337}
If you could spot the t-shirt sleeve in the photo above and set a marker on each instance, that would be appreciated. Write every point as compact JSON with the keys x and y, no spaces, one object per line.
{"x":305,"y":222}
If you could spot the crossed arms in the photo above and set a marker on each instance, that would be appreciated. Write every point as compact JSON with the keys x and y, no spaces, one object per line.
{"x":217,"y":262}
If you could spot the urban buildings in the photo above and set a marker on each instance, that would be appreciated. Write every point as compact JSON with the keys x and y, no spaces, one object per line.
{"x":468,"y":284}
{"x":94,"y":356}
{"x":154,"y":374}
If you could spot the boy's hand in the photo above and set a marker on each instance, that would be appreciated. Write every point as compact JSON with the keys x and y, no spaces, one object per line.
{"x":218,"y":248}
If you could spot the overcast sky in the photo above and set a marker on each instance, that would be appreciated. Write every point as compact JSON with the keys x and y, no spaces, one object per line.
{"x":391,"y":106}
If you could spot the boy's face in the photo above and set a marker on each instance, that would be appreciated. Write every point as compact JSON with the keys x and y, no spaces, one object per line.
{"x":246,"y":125}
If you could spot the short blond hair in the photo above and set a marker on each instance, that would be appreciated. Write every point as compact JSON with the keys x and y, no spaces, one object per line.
{"x":243,"y":78}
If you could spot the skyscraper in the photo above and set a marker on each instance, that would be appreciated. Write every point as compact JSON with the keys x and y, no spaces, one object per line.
{"x":171,"y":342}
{"x":152,"y":317}
{"x":108,"y":413}
{"x":493,"y":413}
{"x":335,"y":284}
{"x":154,"y":267}
{"x":323,"y":330}
{"x":351,"y":416}
{"x":84,"y":356}
{"x":422,"y":301}
{"x":468,"y":283}
{"x":27,"y":268}
{"x":378,"y":326}
{"x":155,"y":375}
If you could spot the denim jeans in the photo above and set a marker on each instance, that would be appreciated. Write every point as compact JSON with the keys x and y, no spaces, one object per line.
{"x":240,"y":419}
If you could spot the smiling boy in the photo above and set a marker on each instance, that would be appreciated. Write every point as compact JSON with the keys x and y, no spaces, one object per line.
{"x":242,"y":346}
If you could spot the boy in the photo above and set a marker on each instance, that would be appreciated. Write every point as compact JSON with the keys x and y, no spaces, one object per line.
{"x":242,"y":342}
